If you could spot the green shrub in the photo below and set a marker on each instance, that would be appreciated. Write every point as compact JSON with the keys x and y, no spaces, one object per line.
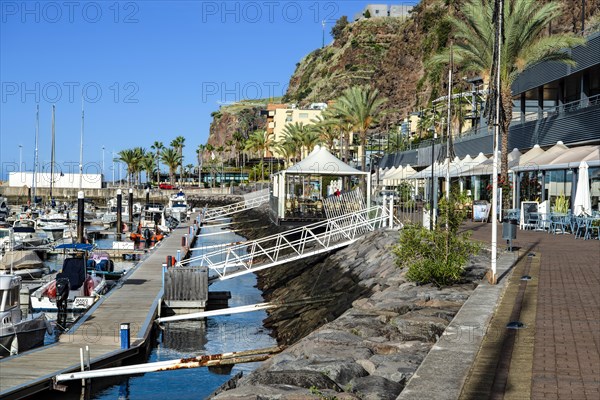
{"x":436,"y":256}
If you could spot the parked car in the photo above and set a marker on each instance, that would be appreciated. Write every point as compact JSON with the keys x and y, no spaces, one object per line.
{"x":167,"y":186}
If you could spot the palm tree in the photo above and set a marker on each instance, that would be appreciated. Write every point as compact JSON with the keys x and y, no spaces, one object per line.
{"x":148,"y":164}
{"x":178,"y":144}
{"x":360,"y":107}
{"x":259,"y":141}
{"x":200,"y":153}
{"x":291,"y":137}
{"x":171,"y":158}
{"x":139,"y":155}
{"x":525,"y":44}
{"x":157,"y":147}
{"x":326,"y":131}
{"x":286,"y":149}
{"x":128,"y":156}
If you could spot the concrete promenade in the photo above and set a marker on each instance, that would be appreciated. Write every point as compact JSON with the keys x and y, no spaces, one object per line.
{"x":565,"y":314}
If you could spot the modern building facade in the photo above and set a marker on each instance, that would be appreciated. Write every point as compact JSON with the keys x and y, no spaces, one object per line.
{"x":553,"y":102}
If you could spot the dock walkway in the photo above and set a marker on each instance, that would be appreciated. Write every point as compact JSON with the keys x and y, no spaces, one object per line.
{"x":137,"y":302}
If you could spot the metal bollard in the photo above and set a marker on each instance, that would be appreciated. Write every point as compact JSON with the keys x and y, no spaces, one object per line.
{"x":178,"y":255}
{"x":169,"y":261}
{"x":125,"y":336}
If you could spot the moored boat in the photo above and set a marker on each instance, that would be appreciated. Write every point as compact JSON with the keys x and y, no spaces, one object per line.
{"x":18,"y":334}
{"x":178,"y":206}
{"x":73,"y":289}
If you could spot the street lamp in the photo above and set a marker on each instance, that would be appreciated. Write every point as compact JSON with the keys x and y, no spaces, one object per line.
{"x":20,"y":156}
{"x":431,"y":210}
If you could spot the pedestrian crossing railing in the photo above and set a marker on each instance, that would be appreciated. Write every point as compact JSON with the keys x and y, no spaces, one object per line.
{"x":255,"y":255}
{"x":251,"y":200}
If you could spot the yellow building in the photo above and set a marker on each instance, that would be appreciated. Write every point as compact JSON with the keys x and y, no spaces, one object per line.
{"x":278,"y":117}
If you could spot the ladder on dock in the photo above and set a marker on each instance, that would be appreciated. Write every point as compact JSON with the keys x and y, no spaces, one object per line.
{"x":251,"y":200}
{"x":255,"y":255}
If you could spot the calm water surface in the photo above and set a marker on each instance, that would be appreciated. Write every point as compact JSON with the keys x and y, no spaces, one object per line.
{"x":191,"y":338}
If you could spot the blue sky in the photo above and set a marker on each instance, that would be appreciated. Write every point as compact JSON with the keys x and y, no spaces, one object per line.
{"x":148,"y":70}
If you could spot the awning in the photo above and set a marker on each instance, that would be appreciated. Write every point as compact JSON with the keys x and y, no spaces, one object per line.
{"x":322,"y":162}
{"x":561,"y":157}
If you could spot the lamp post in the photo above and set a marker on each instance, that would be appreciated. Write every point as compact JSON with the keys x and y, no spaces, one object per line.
{"x":20,"y":157}
{"x":431,"y":213}
{"x":103,"y":162}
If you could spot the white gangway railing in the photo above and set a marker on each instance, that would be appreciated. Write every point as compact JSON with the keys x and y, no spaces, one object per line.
{"x":254,"y":255}
{"x":251,"y":200}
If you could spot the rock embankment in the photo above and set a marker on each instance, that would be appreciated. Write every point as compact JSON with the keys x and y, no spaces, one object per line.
{"x":367,"y":331}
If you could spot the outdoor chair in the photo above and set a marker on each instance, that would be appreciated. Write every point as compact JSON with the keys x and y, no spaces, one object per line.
{"x":579,"y":227}
{"x":592,"y":225}
{"x":557,"y":224}
{"x":532,"y":221}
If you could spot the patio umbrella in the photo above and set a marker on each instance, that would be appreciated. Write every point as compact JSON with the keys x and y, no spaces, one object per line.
{"x":583,"y":204}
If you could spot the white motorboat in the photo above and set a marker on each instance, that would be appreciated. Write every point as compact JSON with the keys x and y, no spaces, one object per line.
{"x":73,"y":285}
{"x":178,"y":206}
{"x":55,"y":230}
{"x":25,"y":233}
{"x":18,"y":333}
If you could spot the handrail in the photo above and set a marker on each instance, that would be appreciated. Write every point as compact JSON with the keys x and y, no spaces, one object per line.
{"x":248,"y":203}
{"x":302,"y":242}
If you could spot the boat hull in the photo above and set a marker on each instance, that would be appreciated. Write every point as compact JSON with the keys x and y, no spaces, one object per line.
{"x":30,"y":333}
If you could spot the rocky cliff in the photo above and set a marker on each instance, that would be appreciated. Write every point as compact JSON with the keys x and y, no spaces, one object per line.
{"x":387,"y":53}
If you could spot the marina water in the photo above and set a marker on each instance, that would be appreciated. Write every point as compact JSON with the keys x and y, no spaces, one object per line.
{"x":192,"y":338}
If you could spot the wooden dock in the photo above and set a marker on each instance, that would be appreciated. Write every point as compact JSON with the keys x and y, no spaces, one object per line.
{"x":137,"y":302}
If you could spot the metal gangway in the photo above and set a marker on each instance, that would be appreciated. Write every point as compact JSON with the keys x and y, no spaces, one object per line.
{"x":251,"y":200}
{"x":237,"y":259}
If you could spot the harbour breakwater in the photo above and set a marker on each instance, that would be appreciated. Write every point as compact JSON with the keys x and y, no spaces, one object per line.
{"x":364,"y":329}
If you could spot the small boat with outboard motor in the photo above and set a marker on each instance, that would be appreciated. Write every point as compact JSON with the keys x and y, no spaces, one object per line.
{"x":74,"y":289}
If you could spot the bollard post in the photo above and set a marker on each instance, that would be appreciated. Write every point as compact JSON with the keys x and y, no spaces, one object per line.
{"x":124,"y":336}
{"x":169,"y":261}
{"x":119,"y":213}
{"x":80,"y":216}
{"x":130,"y":205}
{"x":178,"y":255}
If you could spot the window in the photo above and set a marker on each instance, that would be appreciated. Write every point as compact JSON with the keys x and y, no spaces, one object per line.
{"x":303,"y":115}
{"x":572,"y":88}
{"x":594,"y":86}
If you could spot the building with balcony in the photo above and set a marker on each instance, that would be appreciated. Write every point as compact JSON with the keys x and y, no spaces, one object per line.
{"x":552,"y":102}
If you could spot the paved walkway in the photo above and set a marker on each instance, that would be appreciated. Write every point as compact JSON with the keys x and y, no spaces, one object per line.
{"x":566,"y":346}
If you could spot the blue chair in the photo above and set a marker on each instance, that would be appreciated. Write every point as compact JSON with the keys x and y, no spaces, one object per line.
{"x":579,"y":227}
{"x":592,"y":225}
{"x":557,"y":223}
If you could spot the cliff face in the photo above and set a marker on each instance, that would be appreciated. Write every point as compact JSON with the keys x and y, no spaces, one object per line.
{"x":239,"y":120}
{"x":387,"y":53}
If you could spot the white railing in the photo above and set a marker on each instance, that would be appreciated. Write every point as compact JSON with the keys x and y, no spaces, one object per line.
{"x":306,"y":241}
{"x":251,"y":200}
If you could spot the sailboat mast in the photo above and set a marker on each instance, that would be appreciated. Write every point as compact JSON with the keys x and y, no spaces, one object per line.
{"x":52,"y":154}
{"x":35,"y":152}
{"x":81,"y":148}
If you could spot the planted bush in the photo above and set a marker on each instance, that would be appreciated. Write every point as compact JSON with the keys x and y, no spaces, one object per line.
{"x":438,"y":256}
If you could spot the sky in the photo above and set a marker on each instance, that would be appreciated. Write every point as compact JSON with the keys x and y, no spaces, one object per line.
{"x":143,"y":71}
